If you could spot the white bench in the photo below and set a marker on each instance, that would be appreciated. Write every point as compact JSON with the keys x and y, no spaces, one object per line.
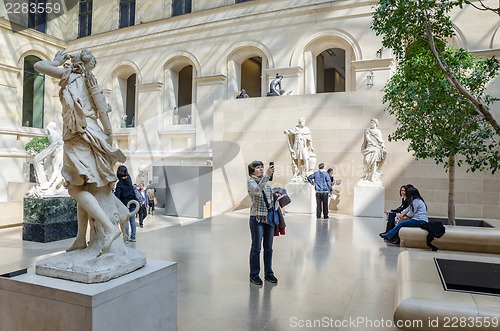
{"x":456,"y":238}
{"x":421,"y":303}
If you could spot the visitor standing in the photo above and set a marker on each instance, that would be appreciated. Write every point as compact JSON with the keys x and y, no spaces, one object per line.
{"x":125,"y":192}
{"x":142,"y":197}
{"x":323,"y":186}
{"x":151,"y":198}
{"x":262,"y":233}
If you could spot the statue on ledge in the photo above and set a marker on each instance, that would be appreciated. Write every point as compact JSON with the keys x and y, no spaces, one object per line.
{"x":275,"y":87}
{"x":89,"y":157}
{"x":301,"y":151}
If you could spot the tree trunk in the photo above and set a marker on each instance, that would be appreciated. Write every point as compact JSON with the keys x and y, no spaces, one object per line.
{"x":451,"y":190}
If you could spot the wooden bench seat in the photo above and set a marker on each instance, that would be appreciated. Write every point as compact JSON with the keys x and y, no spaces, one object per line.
{"x":456,"y":238}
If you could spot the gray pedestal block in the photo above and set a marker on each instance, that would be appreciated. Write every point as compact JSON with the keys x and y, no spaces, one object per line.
{"x":145,"y":299}
{"x":49,"y":219}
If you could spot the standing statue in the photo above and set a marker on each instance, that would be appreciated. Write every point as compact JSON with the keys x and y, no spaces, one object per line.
{"x":89,"y":158}
{"x":48,"y":166}
{"x":301,"y":150}
{"x":142,"y":176}
{"x":374,"y":153}
{"x":275,"y":87}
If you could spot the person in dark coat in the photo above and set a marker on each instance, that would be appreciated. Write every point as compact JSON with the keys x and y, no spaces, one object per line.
{"x":125,"y":192}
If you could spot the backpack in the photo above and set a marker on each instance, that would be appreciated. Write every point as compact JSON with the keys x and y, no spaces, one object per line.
{"x":151,"y":194}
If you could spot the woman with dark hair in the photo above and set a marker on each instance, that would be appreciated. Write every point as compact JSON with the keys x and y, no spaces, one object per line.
{"x":262,"y":233}
{"x":416,"y":211}
{"x":391,"y":213}
{"x":125,"y":192}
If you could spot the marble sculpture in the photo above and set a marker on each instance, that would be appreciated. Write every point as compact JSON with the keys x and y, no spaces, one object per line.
{"x":48,"y":166}
{"x":301,"y":151}
{"x":374,"y":153}
{"x":89,"y":157}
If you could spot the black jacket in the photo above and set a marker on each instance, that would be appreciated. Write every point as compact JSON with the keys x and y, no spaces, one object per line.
{"x":436,"y":229}
{"x":124,"y":190}
{"x":404,"y":205}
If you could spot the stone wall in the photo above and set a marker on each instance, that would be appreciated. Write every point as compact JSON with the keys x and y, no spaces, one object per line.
{"x":336,"y":121}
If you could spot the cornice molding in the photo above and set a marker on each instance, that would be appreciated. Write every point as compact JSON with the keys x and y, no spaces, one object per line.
{"x":210,"y":79}
{"x":373,"y":64}
{"x":149,"y":87}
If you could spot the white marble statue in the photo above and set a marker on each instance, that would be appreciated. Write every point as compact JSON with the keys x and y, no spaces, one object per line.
{"x":48,"y":166}
{"x":374,"y":153}
{"x":301,"y":150}
{"x":89,"y":158}
{"x":142,"y":176}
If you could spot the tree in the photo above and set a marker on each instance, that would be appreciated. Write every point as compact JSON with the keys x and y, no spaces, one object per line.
{"x":36,"y":145}
{"x":438,"y":93}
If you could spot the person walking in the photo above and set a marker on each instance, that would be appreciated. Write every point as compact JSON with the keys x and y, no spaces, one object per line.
{"x":142,"y":197}
{"x":150,"y":190}
{"x":124,"y":191}
{"x":323,"y":186}
{"x":262,"y":233}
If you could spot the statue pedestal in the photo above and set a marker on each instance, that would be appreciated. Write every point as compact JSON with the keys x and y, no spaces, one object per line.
{"x":302,"y":196}
{"x":49,"y":219}
{"x":368,"y":201}
{"x":142,"y":300}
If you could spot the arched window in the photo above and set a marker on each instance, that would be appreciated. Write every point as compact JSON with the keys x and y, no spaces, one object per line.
{"x":330,"y":71}
{"x":185,"y":95}
{"x":129,"y":119}
{"x":33,"y":90}
{"x":246,"y":69}
{"x":251,"y":76}
{"x":328,"y":63}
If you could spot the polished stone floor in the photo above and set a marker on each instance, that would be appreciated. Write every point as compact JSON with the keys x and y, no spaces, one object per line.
{"x":333,"y":275}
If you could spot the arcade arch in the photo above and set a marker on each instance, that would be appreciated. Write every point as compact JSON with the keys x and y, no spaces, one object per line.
{"x":246,"y":68}
{"x":124,"y":82}
{"x":327,"y":61}
{"x":179,"y":89}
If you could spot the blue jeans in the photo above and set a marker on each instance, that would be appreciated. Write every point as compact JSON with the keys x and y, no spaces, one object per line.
{"x":261,"y":232}
{"x":132,"y":226}
{"x":408,"y":223}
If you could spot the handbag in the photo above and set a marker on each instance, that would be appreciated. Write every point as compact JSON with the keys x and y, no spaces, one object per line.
{"x":272,"y":214}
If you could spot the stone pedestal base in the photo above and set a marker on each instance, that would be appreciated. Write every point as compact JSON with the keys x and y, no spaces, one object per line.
{"x":49,"y":219}
{"x":368,"y":201}
{"x":143,"y":300}
{"x":302,"y":196}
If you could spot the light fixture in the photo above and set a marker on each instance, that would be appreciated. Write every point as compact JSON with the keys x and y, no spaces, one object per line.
{"x":369,"y":79}
{"x":330,"y":52}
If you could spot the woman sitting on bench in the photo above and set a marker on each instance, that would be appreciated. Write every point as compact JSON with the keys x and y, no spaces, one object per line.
{"x":416,"y":211}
